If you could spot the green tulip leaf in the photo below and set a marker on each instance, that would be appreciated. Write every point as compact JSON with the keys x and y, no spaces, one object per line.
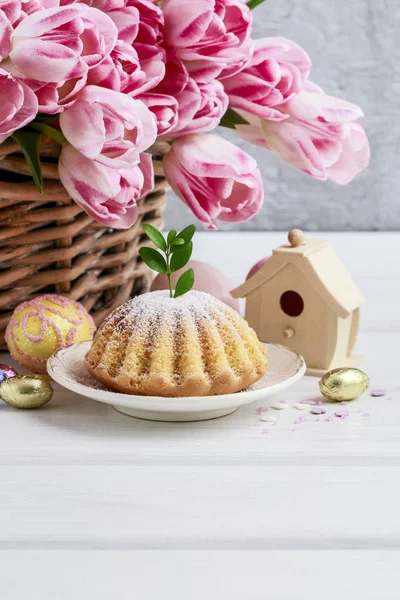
{"x":29,"y":142}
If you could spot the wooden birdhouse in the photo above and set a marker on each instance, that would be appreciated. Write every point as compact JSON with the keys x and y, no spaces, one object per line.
{"x":304,"y":298}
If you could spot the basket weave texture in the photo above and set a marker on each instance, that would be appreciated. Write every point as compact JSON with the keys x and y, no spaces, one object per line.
{"x":48,"y":244}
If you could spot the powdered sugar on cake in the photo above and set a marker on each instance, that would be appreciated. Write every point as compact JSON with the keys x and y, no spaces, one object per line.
{"x":156,"y":304}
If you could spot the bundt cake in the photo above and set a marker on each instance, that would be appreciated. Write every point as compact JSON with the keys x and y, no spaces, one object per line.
{"x":194,"y":345}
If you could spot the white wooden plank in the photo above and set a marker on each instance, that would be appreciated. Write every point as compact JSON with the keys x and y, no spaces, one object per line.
{"x":178,"y":575}
{"x":200,"y":508}
{"x":73,"y":430}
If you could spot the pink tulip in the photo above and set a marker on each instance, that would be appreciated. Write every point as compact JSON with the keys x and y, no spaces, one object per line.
{"x":109,"y":127}
{"x":214,"y":178}
{"x":151,"y":24}
{"x":204,"y":115}
{"x":137,"y":20}
{"x":108,"y":195}
{"x":209,"y":36}
{"x":200,"y":106}
{"x":10,"y":12}
{"x":274,"y":74}
{"x":252,"y":132}
{"x":18,"y":107}
{"x":125,"y":16}
{"x":69,"y":40}
{"x":11,"y":9}
{"x":320,"y":136}
{"x":53,"y":98}
{"x":6,"y":30}
{"x":133,"y":67}
{"x":164,"y":109}
{"x":121,"y":71}
{"x":152,"y":63}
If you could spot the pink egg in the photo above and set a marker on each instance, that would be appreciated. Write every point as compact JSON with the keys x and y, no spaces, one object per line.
{"x":256,"y":267}
{"x":207,"y":279}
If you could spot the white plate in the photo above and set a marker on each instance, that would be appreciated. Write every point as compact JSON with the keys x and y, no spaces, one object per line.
{"x":66,"y":367}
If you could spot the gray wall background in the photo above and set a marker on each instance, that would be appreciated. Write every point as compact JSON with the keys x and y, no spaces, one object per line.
{"x":355,"y":48}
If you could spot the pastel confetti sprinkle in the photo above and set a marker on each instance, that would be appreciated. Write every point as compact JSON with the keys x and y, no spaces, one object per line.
{"x":317,"y":410}
{"x":312,"y":402}
{"x":261,"y":410}
{"x":378,"y":392}
{"x":300,"y":406}
{"x":280,"y":405}
{"x":342,"y":414}
{"x":344,"y":403}
{"x":328,"y":419}
{"x":268,"y":418}
{"x":300,"y":420}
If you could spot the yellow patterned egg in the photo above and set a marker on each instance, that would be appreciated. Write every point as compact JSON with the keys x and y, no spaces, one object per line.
{"x":345,"y":383}
{"x":41,"y":326}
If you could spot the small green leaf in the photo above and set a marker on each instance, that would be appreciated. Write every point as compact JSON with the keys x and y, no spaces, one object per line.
{"x":171,"y":236}
{"x":253,"y":3}
{"x":178,"y":242}
{"x":156,"y":237}
{"x":153,"y":259}
{"x":187,"y":233}
{"x":184,"y":283}
{"x":181,"y":257}
{"x":29,"y":142}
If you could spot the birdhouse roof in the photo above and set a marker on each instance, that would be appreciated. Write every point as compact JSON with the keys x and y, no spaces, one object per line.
{"x":319,"y":265}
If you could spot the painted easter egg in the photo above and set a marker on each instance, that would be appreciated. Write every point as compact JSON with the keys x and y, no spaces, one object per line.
{"x":41,"y":326}
{"x":207,"y":279}
{"x":257,"y":267}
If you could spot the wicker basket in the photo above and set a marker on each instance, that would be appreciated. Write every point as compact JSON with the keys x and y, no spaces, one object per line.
{"x":49,"y":244}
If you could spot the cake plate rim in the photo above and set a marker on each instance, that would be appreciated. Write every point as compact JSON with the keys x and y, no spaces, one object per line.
{"x":66,"y":368}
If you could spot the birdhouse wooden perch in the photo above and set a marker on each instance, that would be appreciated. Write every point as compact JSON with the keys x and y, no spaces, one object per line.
{"x":304,"y":298}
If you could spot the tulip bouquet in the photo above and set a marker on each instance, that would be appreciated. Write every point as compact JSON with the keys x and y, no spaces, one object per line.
{"x":107,"y":78}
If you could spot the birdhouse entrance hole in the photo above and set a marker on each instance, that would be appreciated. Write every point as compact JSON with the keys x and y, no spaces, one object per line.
{"x":292,"y":303}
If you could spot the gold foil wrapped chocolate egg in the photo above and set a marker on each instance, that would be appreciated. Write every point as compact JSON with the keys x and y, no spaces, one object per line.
{"x":26,"y":391}
{"x":343,"y":384}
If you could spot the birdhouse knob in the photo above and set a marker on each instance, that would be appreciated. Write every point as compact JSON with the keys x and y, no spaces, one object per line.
{"x":296,"y":237}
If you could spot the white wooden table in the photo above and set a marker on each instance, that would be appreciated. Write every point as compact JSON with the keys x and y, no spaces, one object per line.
{"x":91,"y":499}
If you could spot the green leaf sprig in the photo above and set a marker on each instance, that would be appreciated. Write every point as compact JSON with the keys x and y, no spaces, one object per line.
{"x":175,"y":253}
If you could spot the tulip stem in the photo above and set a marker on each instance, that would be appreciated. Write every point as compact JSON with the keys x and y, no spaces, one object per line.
{"x":52,"y":132}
